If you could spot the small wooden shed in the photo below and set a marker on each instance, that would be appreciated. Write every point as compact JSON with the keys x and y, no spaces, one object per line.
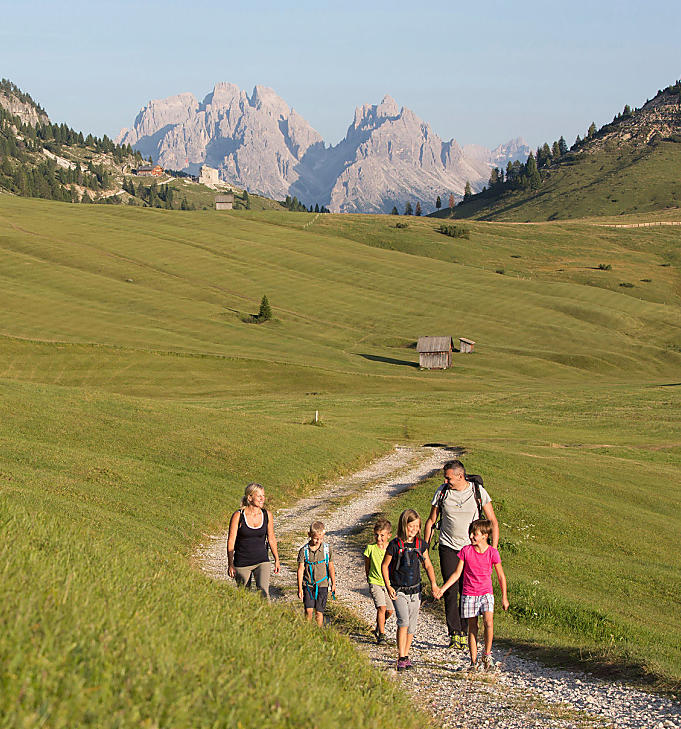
{"x":466,"y":345}
{"x":435,"y":353}
{"x":224,"y":202}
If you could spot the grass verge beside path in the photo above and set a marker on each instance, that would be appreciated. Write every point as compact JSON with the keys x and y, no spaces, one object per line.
{"x":104,"y":622}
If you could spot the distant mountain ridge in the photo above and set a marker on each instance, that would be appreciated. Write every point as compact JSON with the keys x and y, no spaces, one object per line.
{"x":388,"y":157}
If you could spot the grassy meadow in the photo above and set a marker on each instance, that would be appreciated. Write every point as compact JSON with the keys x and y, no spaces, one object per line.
{"x":137,"y":402}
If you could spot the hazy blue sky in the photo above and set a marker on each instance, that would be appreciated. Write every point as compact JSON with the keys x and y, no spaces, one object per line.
{"x":481,"y":72}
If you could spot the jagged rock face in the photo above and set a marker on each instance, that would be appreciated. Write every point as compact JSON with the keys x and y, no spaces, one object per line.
{"x":27,"y":112}
{"x":388,"y":157}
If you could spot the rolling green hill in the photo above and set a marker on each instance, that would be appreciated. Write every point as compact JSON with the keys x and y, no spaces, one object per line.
{"x":137,"y":401}
{"x":628,"y":166}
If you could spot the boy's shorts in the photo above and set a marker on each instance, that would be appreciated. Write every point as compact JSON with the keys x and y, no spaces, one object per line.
{"x":474,"y":605}
{"x":309,"y":601}
{"x":381,"y":597}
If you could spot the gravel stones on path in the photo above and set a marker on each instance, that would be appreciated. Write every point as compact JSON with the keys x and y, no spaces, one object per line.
{"x":522,"y":694}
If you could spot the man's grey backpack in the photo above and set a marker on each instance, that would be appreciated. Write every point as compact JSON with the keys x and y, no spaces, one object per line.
{"x":476,"y":482}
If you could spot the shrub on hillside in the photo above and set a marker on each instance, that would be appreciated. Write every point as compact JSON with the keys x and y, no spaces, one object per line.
{"x":455,"y":231}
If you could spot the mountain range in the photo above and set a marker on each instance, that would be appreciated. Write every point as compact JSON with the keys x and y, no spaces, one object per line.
{"x":388,"y":157}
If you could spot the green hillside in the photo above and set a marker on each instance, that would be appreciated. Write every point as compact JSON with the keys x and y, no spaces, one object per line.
{"x":137,"y":401}
{"x":629,"y":166}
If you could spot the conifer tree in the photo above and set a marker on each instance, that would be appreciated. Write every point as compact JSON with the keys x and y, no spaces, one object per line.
{"x":408,"y":209}
{"x":438,"y":203}
{"x":265,"y":313}
{"x":592,"y":130}
{"x":394,"y":211}
{"x":467,"y":194}
{"x":418,"y":209}
{"x":562,"y":146}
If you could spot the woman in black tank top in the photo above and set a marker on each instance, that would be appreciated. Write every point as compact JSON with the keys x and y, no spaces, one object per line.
{"x":251,"y":532}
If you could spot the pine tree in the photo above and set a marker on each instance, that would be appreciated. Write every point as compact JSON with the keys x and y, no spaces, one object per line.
{"x":438,"y":203}
{"x":562,"y":146}
{"x":467,"y":194}
{"x":394,"y":211}
{"x":555,"y":150}
{"x":247,"y":200}
{"x":408,"y":209}
{"x":418,"y":209}
{"x":265,"y":313}
{"x":532,"y":172}
{"x":592,"y":130}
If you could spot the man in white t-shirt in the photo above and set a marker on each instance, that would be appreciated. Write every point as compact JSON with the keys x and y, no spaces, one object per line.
{"x":456,"y":505}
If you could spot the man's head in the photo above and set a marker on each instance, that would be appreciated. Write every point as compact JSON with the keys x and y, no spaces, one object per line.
{"x":455,"y":474}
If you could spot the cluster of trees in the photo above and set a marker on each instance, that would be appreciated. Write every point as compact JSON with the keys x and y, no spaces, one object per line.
{"x":24,"y":171}
{"x":408,"y":209}
{"x":157,"y":196}
{"x":293,"y":204}
{"x":10,"y":89}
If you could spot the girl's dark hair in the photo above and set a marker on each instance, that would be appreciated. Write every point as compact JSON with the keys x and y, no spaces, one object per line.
{"x":481,"y":525}
{"x":406,"y":517}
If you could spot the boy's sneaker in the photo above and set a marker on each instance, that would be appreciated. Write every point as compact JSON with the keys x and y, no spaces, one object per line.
{"x":407,"y":663}
{"x":489,"y":663}
{"x":380,"y":638}
{"x":402,"y":664}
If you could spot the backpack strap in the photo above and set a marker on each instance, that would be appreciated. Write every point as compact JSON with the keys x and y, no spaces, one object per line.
{"x":312,"y":582}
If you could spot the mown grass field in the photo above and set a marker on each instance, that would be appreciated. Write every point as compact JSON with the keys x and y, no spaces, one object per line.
{"x":137,"y":403}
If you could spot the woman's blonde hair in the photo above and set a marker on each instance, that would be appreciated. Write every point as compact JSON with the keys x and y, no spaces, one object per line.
{"x":249,"y":490}
{"x":406,"y":517}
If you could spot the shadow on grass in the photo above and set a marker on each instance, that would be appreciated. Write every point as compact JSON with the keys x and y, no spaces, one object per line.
{"x":389,"y":360}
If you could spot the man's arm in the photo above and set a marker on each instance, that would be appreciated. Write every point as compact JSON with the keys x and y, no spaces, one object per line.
{"x":488,"y":511}
{"x":431,"y":521}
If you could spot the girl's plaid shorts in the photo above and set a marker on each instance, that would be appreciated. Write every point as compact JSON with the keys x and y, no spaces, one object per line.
{"x":474,"y":605}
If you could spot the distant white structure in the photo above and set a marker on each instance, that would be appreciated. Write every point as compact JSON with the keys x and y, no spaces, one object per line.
{"x":208,"y":175}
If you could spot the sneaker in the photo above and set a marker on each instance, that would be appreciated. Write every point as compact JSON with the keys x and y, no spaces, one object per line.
{"x":453,"y":641}
{"x":473,"y":668}
{"x":463,"y":642}
{"x":407,"y":663}
{"x":375,"y":633}
{"x":488,"y":662}
{"x":402,"y":664}
{"x":380,"y":638}
{"x":458,"y":642}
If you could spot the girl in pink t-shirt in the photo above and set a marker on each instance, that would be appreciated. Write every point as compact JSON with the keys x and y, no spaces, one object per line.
{"x":476,"y":561}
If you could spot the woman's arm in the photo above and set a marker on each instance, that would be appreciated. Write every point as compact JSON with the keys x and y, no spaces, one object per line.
{"x":273,"y":541}
{"x":231,"y":542}
{"x":502,"y":584}
{"x":385,"y":564}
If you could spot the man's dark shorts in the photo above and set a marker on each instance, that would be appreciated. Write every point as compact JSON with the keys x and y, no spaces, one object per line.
{"x":320,"y":603}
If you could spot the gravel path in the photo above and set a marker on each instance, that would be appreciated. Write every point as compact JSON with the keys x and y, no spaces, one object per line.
{"x":522,"y":694}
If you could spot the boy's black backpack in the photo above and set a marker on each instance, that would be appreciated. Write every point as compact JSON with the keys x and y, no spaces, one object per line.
{"x":477,"y":483}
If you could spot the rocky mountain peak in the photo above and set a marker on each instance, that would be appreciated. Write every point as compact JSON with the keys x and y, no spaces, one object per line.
{"x":18,"y":103}
{"x":388,"y":157}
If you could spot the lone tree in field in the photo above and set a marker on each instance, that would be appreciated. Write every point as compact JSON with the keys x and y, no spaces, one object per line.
{"x":467,"y":192}
{"x":394,"y":211}
{"x":408,"y":209}
{"x":451,"y":199}
{"x":438,"y":203}
{"x":265,"y":313}
{"x":417,"y":211}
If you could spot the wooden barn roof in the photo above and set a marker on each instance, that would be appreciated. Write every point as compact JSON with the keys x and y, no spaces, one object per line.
{"x":434,"y":344}
{"x":229,"y":197}
{"x":467,"y":341}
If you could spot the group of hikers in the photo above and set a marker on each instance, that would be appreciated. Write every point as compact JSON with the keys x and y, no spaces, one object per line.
{"x":461,"y":511}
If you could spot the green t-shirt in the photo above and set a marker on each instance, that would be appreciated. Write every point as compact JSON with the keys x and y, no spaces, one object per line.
{"x":375,"y":555}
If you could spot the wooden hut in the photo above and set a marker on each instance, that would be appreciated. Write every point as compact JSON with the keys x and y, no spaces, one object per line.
{"x":466,"y":345}
{"x":435,"y":353}
{"x":224,"y":202}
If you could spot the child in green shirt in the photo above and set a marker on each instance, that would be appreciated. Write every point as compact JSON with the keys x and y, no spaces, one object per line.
{"x":373,"y":557}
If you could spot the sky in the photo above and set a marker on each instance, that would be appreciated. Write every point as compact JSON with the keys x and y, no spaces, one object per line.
{"x":479,"y":72}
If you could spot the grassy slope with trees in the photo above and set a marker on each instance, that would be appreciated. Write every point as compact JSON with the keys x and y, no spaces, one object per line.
{"x":628,"y":166}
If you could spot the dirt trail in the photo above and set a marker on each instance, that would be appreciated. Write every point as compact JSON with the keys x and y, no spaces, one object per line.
{"x":522,"y":694}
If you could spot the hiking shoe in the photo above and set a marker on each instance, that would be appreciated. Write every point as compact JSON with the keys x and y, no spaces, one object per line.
{"x":473,"y":668}
{"x":402,"y":664}
{"x":380,"y":638}
{"x":375,"y":633}
{"x":489,"y":663}
{"x":407,"y":663}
